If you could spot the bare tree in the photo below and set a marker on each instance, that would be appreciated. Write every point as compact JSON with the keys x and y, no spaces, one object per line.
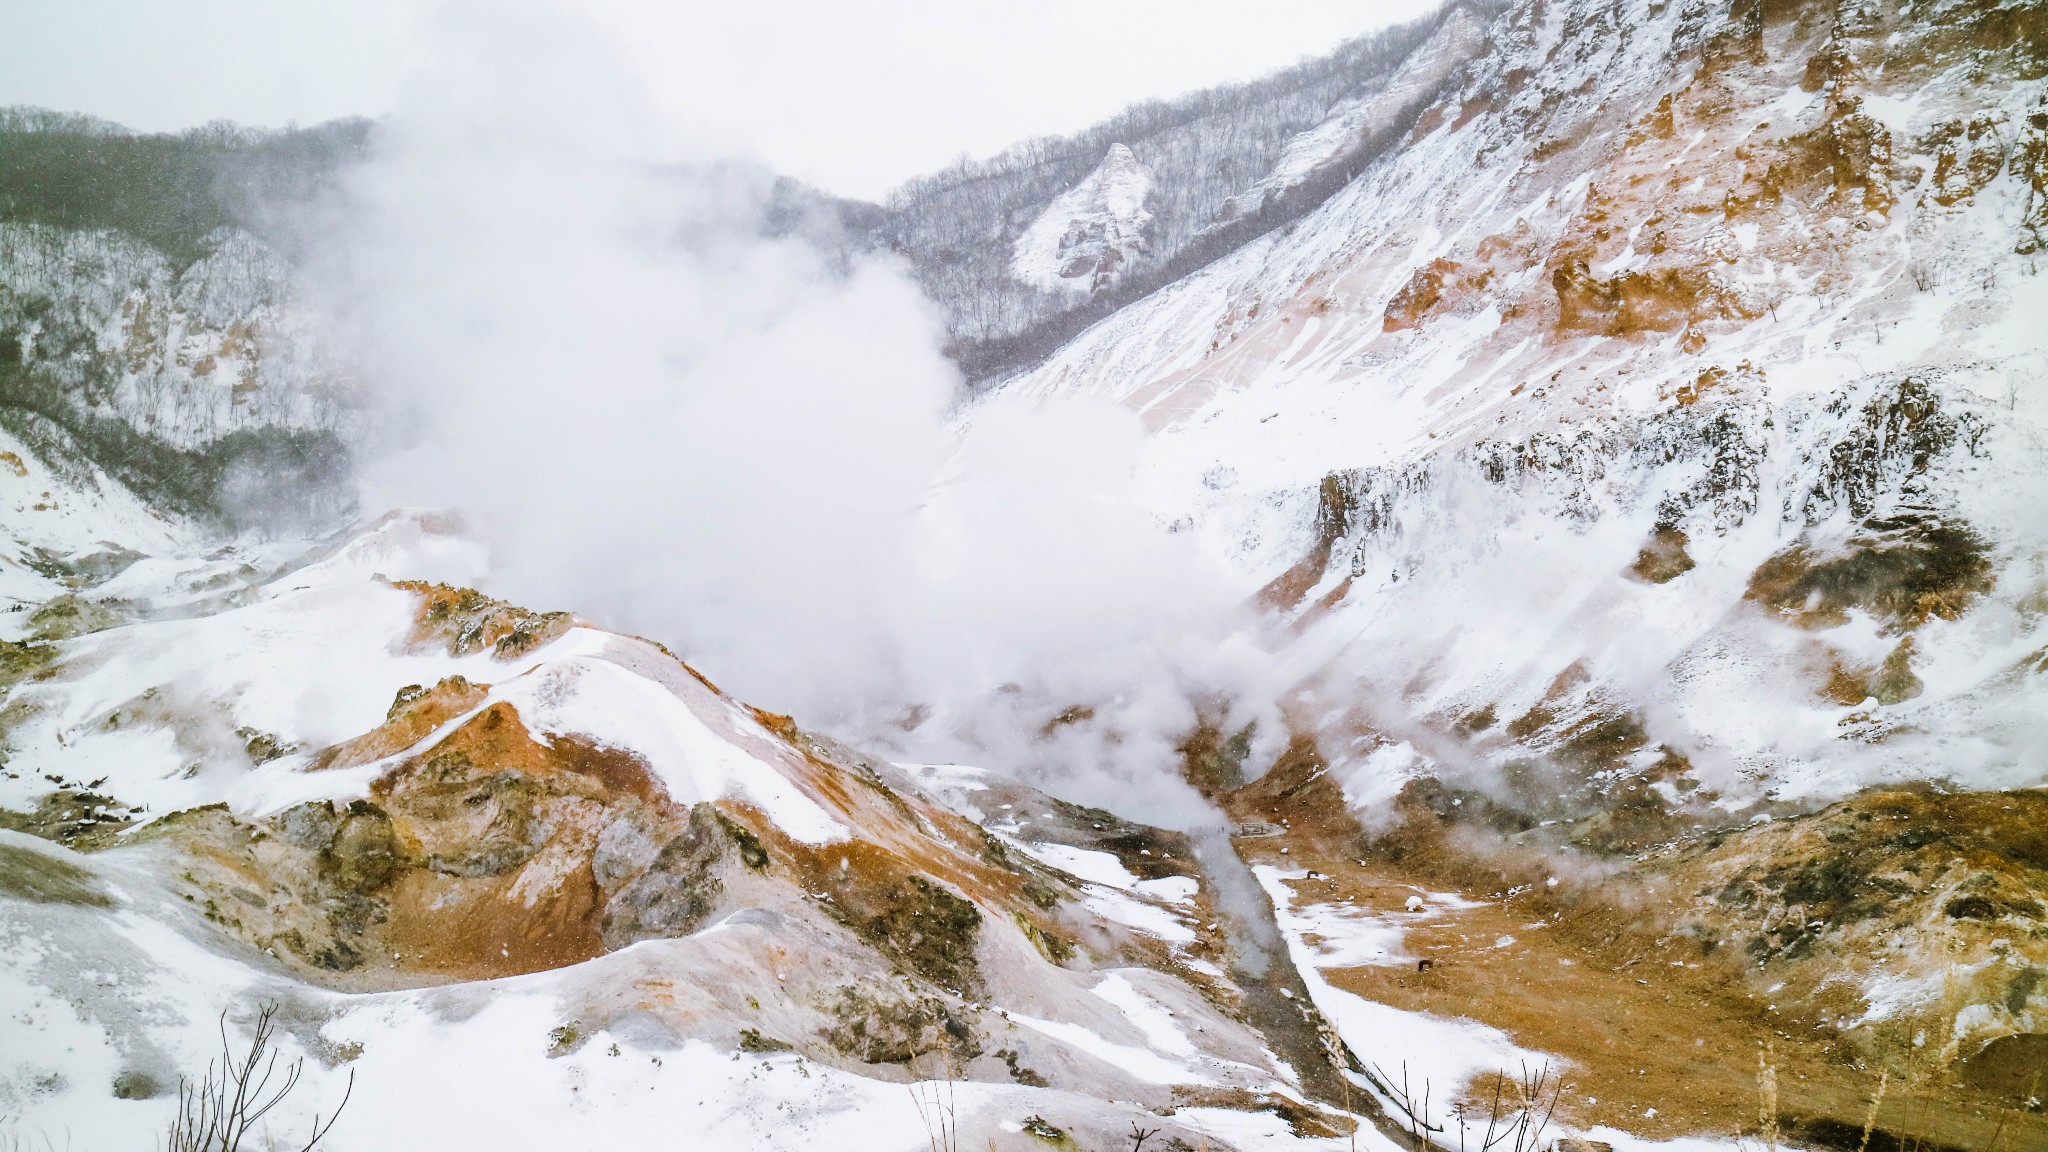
{"x":1413,"y":1108}
{"x":1516,"y":1120}
{"x":1518,"y":1123}
{"x":236,"y":1093}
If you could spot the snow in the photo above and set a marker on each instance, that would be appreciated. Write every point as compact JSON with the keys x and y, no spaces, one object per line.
{"x":140,"y":705}
{"x":409,"y":544}
{"x":1269,"y":1130}
{"x":574,"y":689}
{"x":1104,"y":868}
{"x":1142,"y":1063}
{"x":199,"y":353}
{"x":1353,"y":122}
{"x":1628,"y":1142}
{"x":592,"y":697}
{"x":1150,"y":1017}
{"x":478,"y":1076}
{"x":1445,"y":1052}
{"x":1373,"y":782}
{"x":1273,"y":363}
{"x":591,"y":1097}
{"x":1093,"y":866}
{"x":41,"y":510}
{"x":89,"y":995}
{"x":955,"y":785}
{"x":1348,"y":938}
{"x":159,"y":711}
{"x":1171,"y":889}
{"x":1111,"y":889}
{"x":1147,"y":918}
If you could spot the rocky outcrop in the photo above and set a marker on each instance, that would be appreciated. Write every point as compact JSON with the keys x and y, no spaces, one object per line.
{"x":1638,"y":301}
{"x":467,"y":621}
{"x":1441,"y":283}
{"x":676,"y":889}
{"x":1086,"y":236}
{"x":1904,"y":571}
{"x":2029,"y":164}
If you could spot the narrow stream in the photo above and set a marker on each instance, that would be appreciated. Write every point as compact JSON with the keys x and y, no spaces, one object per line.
{"x":1276,"y":1000}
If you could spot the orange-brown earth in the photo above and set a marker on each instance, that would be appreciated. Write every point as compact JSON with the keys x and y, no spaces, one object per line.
{"x":1658,"y":977}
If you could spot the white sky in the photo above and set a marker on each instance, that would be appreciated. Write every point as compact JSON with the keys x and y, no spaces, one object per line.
{"x":854,"y":95}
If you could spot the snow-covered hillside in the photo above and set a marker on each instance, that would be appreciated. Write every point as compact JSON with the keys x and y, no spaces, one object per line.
{"x":149,"y":321}
{"x":1650,"y":446}
{"x":1354,"y":123}
{"x":964,"y":228}
{"x":1644,"y":376}
{"x":184,"y":356}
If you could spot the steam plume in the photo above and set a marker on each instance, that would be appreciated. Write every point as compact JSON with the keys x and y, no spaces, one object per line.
{"x":739,"y":445}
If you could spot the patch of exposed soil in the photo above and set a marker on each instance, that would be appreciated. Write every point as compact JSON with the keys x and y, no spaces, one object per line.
{"x":923,"y":927}
{"x":77,"y":818}
{"x":467,"y":621}
{"x":26,"y":874}
{"x":1658,"y":977}
{"x":1441,"y":284}
{"x":883,"y":1027}
{"x":1663,"y":559}
{"x":1646,"y":300}
{"x":19,"y":661}
{"x":70,"y":615}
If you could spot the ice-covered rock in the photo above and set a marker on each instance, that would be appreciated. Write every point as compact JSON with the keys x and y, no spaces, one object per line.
{"x":1083,"y":239}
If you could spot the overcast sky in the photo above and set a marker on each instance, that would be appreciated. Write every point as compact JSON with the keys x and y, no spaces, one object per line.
{"x":854,"y":96}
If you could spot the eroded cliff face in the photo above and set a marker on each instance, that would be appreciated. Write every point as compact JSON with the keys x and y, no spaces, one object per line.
{"x":1083,"y":239}
{"x":197,"y":383}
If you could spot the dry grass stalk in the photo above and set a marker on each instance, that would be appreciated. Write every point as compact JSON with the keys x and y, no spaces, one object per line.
{"x":937,"y":1107}
{"x":1767,"y":1096}
{"x":1876,"y":1102}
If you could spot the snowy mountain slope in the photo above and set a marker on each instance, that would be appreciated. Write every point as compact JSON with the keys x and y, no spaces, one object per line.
{"x":1483,"y":342}
{"x":182,"y":355}
{"x":131,"y":999}
{"x":57,"y":524}
{"x":1645,"y":448}
{"x":1354,"y":123}
{"x":200,"y":386}
{"x":1638,"y":444}
{"x":961,"y":227}
{"x":149,"y":322}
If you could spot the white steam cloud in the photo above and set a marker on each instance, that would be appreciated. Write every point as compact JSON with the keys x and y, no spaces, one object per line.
{"x":663,"y":420}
